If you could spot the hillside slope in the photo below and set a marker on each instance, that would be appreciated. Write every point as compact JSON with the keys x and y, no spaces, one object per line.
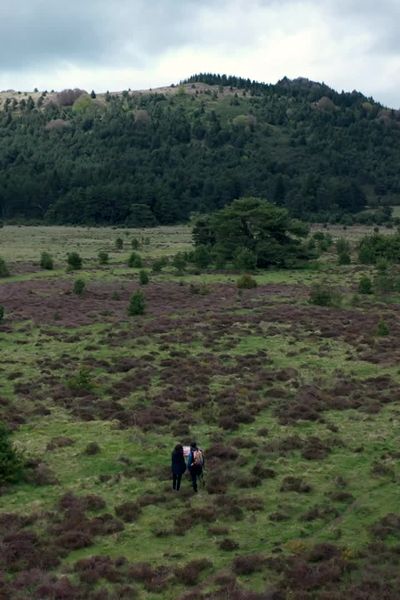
{"x":143,"y":158}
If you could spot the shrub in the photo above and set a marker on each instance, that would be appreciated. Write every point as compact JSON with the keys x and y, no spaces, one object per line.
{"x":81,"y":382}
{"x":46,"y":261}
{"x":245,"y":565}
{"x":324,"y":295}
{"x":382,"y":328}
{"x":128,"y":511}
{"x":201,"y":290}
{"x":324,"y":241}
{"x":201,"y":257}
{"x":294,"y":484}
{"x":4,"y":272}
{"x":365,"y":285}
{"x":74,"y":261}
{"x":103,"y":257}
{"x":228,"y":545}
{"x":143,"y":277}
{"x":179,"y":262}
{"x":246,"y":282}
{"x":384,"y":282}
{"x":40,"y":474}
{"x":190,"y":573}
{"x":159,"y":264}
{"x":1,"y":313}
{"x":135,"y":244}
{"x":137,"y":304}
{"x":59,"y":442}
{"x":344,"y":258}
{"x":11,"y":462}
{"x":119,"y":243}
{"x":382,"y":265}
{"x":342,"y":246}
{"x":135,"y":261}
{"x":79,"y":287}
{"x":92,"y":449}
{"x":377,"y":246}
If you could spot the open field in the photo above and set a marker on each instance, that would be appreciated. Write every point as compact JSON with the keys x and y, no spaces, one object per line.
{"x":297,"y":407}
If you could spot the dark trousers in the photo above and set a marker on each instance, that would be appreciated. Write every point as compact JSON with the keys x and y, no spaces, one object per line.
{"x":195,"y":474}
{"x":176,"y":481}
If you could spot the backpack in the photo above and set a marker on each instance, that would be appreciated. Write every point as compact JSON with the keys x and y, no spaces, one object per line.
{"x":198,"y":459}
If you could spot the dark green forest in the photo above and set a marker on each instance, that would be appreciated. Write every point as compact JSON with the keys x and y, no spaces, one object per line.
{"x":157,"y":158}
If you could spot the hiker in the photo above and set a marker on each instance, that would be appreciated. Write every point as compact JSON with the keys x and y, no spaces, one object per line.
{"x":178,"y":466}
{"x":195,"y":464}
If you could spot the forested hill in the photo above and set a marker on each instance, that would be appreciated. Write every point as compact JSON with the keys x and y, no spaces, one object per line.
{"x":143,"y":158}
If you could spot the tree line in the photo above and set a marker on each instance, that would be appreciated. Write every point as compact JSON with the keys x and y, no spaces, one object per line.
{"x":143,"y":160}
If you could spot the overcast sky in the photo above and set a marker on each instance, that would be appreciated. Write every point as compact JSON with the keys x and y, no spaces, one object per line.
{"x":121,"y":44}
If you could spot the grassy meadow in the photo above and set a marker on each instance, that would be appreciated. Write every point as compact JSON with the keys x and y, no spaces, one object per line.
{"x":297,"y":408}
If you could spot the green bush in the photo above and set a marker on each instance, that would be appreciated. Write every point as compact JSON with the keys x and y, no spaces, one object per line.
{"x":74,"y":261}
{"x":119,"y":243}
{"x":246,"y":282}
{"x":143,"y":277}
{"x":201,"y":289}
{"x":384,"y":282}
{"x":324,"y":295}
{"x":103,"y":257}
{"x":159,"y":264}
{"x":382,"y":328}
{"x":81,"y":382}
{"x":137,"y":304}
{"x":344,"y":258}
{"x":378,"y":246}
{"x":324,"y":241}
{"x":382,"y":265}
{"x":365,"y":285}
{"x":11,"y":461}
{"x":135,"y":261}
{"x":4,"y":272}
{"x":201,"y":257}
{"x":342,"y":246}
{"x":135,"y":244}
{"x":179,"y":262}
{"x":79,"y":287}
{"x":46,"y":261}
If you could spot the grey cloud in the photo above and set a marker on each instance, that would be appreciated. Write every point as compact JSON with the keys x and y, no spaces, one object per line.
{"x":41,"y":32}
{"x":40,"y":36}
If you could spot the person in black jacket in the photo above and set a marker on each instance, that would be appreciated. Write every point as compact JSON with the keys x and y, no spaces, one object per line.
{"x":178,"y":466}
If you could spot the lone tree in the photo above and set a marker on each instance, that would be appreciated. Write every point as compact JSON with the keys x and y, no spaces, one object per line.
{"x":74,"y":261}
{"x":253,"y":226}
{"x":46,"y":261}
{"x":4,"y":272}
{"x":137,"y":304}
{"x":11,"y":462}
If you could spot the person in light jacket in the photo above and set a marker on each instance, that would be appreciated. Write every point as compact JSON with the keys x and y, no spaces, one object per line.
{"x":195,"y":464}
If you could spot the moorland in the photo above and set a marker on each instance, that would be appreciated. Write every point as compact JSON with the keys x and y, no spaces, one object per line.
{"x":296,"y":405}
